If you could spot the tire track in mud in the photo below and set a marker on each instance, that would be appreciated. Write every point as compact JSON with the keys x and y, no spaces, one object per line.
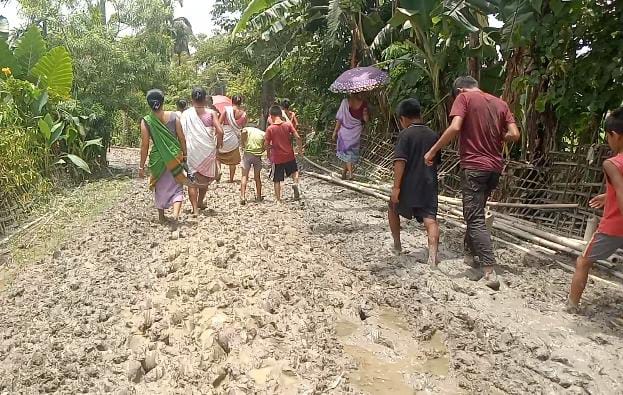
{"x":293,"y":298}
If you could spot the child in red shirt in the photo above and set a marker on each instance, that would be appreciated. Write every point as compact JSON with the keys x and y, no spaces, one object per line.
{"x":278,"y":143}
{"x":609,"y":235}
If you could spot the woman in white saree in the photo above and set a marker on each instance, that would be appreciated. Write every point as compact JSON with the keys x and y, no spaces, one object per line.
{"x":204,"y":136}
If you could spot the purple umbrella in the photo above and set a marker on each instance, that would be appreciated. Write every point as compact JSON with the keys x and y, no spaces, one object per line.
{"x":359,"y":79}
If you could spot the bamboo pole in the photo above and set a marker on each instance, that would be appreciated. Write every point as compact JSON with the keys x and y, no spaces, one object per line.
{"x":538,"y":255}
{"x":501,"y":225}
{"x":349,"y":185}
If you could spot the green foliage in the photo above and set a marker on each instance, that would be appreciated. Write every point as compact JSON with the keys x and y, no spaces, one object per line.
{"x":30,"y":48}
{"x":39,"y":126}
{"x":7,"y":59}
{"x":55,"y":71}
{"x":254,"y":7}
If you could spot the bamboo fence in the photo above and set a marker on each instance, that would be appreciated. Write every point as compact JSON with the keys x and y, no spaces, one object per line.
{"x":569,"y":179}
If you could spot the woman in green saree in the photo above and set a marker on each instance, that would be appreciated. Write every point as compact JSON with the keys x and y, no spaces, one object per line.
{"x":167,"y":155}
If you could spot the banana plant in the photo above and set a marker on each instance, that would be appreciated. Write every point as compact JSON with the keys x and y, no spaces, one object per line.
{"x":54,"y":132}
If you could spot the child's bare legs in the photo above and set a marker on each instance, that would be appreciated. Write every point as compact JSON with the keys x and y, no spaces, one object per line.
{"x":394,"y":226}
{"x":295,"y":187}
{"x":243,"y":184}
{"x":432,"y":230}
{"x":257,"y":174}
{"x":278,"y":191}
{"x":232,"y":172}
{"x":193,"y":196}
{"x":578,"y":283}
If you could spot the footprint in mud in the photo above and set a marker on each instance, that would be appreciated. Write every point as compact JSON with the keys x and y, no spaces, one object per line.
{"x":390,"y":360}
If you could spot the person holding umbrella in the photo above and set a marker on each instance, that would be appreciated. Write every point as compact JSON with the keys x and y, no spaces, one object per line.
{"x":350,"y":119}
{"x":353,"y":112}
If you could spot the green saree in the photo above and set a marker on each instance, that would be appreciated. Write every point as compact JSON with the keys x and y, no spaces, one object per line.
{"x":166,"y":152}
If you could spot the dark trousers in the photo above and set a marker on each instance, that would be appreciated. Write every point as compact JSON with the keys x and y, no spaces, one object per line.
{"x":477,"y":187}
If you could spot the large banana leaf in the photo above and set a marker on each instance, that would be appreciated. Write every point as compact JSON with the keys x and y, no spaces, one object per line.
{"x":277,"y":17}
{"x":383,"y":38}
{"x":29,"y":49}
{"x":7,"y":59}
{"x":55,"y":71}
{"x":79,"y":162}
{"x":254,"y":7}
{"x":274,"y":67}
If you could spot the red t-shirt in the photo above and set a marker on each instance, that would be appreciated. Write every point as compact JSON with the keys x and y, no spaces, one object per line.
{"x":358,"y":113}
{"x":612,"y":222}
{"x":279,"y":138}
{"x":485,"y":122}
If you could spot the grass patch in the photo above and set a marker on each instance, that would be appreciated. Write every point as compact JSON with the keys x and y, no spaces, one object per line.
{"x":65,"y":216}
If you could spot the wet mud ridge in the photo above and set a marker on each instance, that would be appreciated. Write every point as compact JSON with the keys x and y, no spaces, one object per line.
{"x":298,"y":298}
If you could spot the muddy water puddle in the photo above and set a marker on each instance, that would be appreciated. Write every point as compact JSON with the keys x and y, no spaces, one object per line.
{"x":390,"y":360}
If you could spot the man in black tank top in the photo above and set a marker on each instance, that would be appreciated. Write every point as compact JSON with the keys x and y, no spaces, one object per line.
{"x":414,"y":194}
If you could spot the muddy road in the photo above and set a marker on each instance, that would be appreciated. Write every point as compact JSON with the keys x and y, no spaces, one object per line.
{"x":298,"y":298}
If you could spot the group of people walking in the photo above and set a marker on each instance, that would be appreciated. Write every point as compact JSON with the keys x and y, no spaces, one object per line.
{"x":190,"y":145}
{"x":483,"y":124}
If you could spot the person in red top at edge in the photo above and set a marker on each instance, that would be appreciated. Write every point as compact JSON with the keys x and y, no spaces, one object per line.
{"x":609,"y":235}
{"x":278,"y":143}
{"x":483,"y":122}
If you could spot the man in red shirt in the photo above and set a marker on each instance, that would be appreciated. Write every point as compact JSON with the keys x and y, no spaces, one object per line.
{"x":278,"y":143}
{"x":483,"y":122}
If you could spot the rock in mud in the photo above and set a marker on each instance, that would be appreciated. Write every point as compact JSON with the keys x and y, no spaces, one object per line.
{"x":173,"y":292}
{"x":150,"y":361}
{"x":271,"y":301}
{"x":135,"y":371}
{"x":221,"y":374}
{"x":216,"y":286}
{"x":154,"y":374}
{"x":177,"y":265}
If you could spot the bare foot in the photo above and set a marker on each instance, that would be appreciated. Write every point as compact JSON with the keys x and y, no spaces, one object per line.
{"x":396,"y":248}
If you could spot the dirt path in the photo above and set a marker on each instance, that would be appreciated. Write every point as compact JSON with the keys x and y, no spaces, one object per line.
{"x":293,"y":298}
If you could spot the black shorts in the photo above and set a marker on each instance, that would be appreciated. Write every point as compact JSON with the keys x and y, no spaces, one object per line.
{"x":283,"y":170}
{"x":419,"y":213}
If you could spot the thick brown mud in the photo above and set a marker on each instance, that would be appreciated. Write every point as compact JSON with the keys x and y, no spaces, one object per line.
{"x":298,"y":298}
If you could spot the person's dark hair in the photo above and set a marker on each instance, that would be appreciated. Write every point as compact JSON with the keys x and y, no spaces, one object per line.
{"x":464,"y":82}
{"x":155,"y":99}
{"x":236,"y":100}
{"x":614,"y":121}
{"x":181,"y":104}
{"x":409,"y":108}
{"x":276,"y":111}
{"x":286,"y":104}
{"x":198,"y":94}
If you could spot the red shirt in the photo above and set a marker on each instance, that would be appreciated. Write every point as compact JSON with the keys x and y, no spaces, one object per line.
{"x":485,"y":122}
{"x":279,"y":138}
{"x":357,"y":113}
{"x":612,"y":222}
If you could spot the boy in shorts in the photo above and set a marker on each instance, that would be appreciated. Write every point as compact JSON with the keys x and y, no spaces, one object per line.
{"x":414,"y":194}
{"x":609,"y":235}
{"x":278,"y":143}
{"x":252,"y":143}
